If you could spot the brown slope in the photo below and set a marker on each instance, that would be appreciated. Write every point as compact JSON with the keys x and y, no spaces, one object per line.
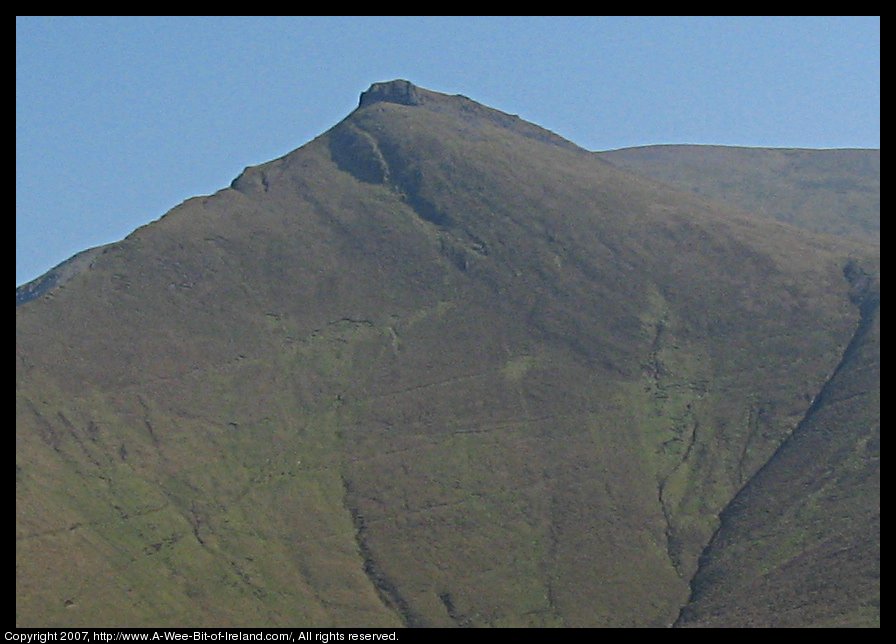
{"x":826,"y":191}
{"x":438,"y":366}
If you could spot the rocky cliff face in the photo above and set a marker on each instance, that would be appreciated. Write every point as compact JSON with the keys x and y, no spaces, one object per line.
{"x":401,"y":92}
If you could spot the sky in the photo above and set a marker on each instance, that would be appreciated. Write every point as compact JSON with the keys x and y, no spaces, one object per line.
{"x":118,"y":120}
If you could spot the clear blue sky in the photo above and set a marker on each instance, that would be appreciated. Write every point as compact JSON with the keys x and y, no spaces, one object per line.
{"x":120,"y":119}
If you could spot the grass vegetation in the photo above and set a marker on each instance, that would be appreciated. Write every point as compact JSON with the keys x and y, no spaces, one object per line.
{"x":436,"y":367}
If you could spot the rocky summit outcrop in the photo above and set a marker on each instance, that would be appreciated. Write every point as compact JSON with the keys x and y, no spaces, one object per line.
{"x":398,"y":91}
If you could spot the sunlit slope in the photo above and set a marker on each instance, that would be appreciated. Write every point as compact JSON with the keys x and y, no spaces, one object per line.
{"x":436,"y":367}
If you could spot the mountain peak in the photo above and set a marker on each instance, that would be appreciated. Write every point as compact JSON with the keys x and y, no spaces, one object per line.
{"x":398,"y":91}
{"x":404,"y":92}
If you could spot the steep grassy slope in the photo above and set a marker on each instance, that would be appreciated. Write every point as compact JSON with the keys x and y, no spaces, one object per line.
{"x":438,"y":366}
{"x":801,"y":543}
{"x":828,"y":191}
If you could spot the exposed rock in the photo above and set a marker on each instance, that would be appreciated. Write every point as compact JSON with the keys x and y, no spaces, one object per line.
{"x":58,"y":275}
{"x":399,"y":91}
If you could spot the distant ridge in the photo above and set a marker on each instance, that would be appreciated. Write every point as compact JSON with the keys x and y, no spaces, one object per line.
{"x":827,"y":191}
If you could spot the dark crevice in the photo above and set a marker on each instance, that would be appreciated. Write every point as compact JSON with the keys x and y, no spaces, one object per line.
{"x":552,"y":554}
{"x":196,"y":522}
{"x":149,"y":428}
{"x":45,"y":427}
{"x":74,"y":434}
{"x":257,"y":591}
{"x":753,"y":416}
{"x":385,"y":588}
{"x":359,"y":321}
{"x":152,"y":433}
{"x":426,"y":210}
{"x":657,"y":372}
{"x":691,"y":442}
{"x":673,"y":549}
{"x":450,"y":608}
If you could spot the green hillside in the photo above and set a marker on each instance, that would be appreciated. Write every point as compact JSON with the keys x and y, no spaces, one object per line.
{"x":801,"y":543}
{"x":436,"y":367}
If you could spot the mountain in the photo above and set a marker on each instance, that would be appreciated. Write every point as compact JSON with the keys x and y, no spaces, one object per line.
{"x":440,"y":366}
{"x":804,"y":535}
{"x":828,"y":191}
